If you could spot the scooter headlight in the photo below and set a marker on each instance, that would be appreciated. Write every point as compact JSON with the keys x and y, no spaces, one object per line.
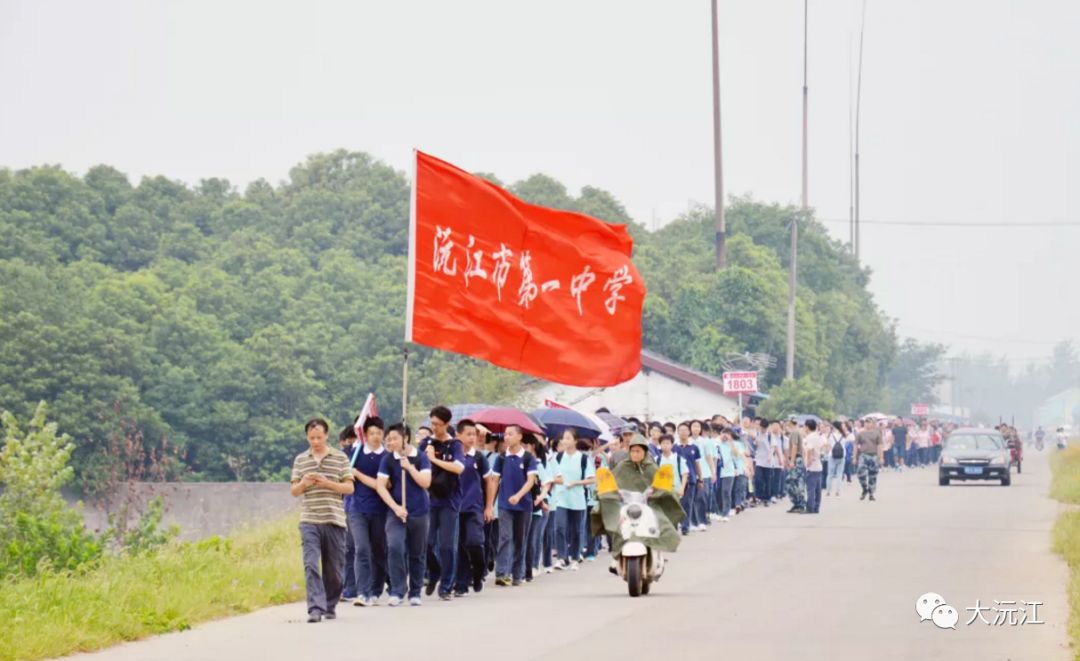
{"x":634,"y":511}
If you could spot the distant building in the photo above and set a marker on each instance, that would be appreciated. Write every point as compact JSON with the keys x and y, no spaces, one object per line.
{"x":662,"y":390}
{"x":1060,"y":409}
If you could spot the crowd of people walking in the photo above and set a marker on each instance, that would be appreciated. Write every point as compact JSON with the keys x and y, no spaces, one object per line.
{"x":458,"y":507}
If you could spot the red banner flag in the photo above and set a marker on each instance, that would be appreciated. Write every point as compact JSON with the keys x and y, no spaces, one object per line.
{"x":546,"y":292}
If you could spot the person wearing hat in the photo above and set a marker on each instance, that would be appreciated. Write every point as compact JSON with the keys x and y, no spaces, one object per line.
{"x":637,"y":473}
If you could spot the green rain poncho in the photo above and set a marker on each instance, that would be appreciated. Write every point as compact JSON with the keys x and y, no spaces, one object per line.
{"x":639,"y":477}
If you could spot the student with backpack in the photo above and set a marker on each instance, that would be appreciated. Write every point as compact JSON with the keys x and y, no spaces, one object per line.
{"x":838,"y":459}
{"x":744,"y":471}
{"x":447,"y":457}
{"x":471,"y":567}
{"x":574,"y":471}
{"x":512,"y":477}
{"x":541,"y":518}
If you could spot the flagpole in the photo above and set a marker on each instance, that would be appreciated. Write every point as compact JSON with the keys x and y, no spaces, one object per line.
{"x":404,"y":411}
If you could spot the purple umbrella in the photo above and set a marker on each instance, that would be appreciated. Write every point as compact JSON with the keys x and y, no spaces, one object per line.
{"x":559,"y":420}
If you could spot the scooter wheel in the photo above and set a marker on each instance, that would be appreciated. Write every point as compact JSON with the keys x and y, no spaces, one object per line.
{"x":634,"y":575}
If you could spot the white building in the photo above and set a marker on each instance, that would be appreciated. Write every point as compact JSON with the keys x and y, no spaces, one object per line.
{"x":662,"y":390}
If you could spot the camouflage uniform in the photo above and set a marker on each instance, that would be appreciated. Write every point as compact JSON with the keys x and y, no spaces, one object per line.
{"x":868,"y":470}
{"x":795,"y":481}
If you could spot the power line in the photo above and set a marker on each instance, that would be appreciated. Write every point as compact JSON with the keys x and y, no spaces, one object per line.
{"x":957,"y":223}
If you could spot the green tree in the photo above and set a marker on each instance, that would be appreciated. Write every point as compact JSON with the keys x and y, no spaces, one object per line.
{"x":37,"y":528}
{"x":914,"y":375}
{"x":798,"y":396}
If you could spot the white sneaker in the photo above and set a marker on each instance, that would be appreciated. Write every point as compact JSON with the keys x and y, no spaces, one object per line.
{"x":574,"y":566}
{"x":394,"y":601}
{"x":548,"y":570}
{"x":701,"y":527}
{"x":560,"y":565}
{"x":724,"y":519}
{"x":415,"y":601}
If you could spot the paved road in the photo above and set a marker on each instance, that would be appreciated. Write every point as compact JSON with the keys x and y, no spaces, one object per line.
{"x":840,"y":585}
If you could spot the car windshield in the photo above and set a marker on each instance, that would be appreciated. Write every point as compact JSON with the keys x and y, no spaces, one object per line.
{"x":974,"y":442}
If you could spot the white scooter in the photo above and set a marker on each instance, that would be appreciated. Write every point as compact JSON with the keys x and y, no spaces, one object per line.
{"x":640,"y":565}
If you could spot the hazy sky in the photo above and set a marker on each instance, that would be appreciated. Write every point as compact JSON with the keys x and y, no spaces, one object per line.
{"x":971,"y":114}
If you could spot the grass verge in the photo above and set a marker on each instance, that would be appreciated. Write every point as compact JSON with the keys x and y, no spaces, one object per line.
{"x":1065,"y":486}
{"x":127,"y":598}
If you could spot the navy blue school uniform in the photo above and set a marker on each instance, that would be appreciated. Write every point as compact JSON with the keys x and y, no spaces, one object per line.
{"x":366,"y":513}
{"x":349,"y":590}
{"x":691,"y":454}
{"x":416,"y":496}
{"x":513,"y":470}
{"x":471,"y":565}
{"x":406,"y":541}
{"x":443,"y":519}
{"x":491,"y":528}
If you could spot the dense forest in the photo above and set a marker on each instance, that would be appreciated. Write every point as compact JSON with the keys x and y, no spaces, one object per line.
{"x":208,"y":322}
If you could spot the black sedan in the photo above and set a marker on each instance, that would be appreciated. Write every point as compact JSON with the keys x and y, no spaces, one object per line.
{"x":974,"y":454}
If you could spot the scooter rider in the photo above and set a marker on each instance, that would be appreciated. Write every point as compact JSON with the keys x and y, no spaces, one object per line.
{"x":637,"y":473}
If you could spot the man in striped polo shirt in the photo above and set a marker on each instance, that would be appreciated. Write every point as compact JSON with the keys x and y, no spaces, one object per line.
{"x":322,"y":475}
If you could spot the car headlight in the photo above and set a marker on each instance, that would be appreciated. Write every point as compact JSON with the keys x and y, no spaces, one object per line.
{"x":999,"y":460}
{"x":948,"y":461}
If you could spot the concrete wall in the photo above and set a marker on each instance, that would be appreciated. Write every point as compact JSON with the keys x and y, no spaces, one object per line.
{"x":202,"y":509}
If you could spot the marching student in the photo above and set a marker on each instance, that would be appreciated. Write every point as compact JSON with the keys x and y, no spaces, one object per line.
{"x":837,"y":458}
{"x":677,"y":463}
{"x":655,"y":432}
{"x":321,"y":475}
{"x":726,"y":475}
{"x":490,"y":443}
{"x":347,"y":439}
{"x":366,"y":513}
{"x":541,"y":515}
{"x":574,"y":471}
{"x":406,"y":525}
{"x":744,"y":471}
{"x":705,"y":498}
{"x":470,"y":565}
{"x":447,"y":457}
{"x":692,"y":455}
{"x":815,"y":447}
{"x":511,"y":478}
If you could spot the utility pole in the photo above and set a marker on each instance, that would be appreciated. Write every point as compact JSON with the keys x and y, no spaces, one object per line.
{"x":793,"y":268}
{"x":721,"y":224}
{"x":858,"y":107}
{"x":851,"y":149}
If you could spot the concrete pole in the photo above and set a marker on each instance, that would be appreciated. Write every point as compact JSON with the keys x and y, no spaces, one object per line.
{"x":721,"y":224}
{"x":793,"y":267}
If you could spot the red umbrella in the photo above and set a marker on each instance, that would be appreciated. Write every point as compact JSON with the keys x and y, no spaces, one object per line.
{"x":497,"y":419}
